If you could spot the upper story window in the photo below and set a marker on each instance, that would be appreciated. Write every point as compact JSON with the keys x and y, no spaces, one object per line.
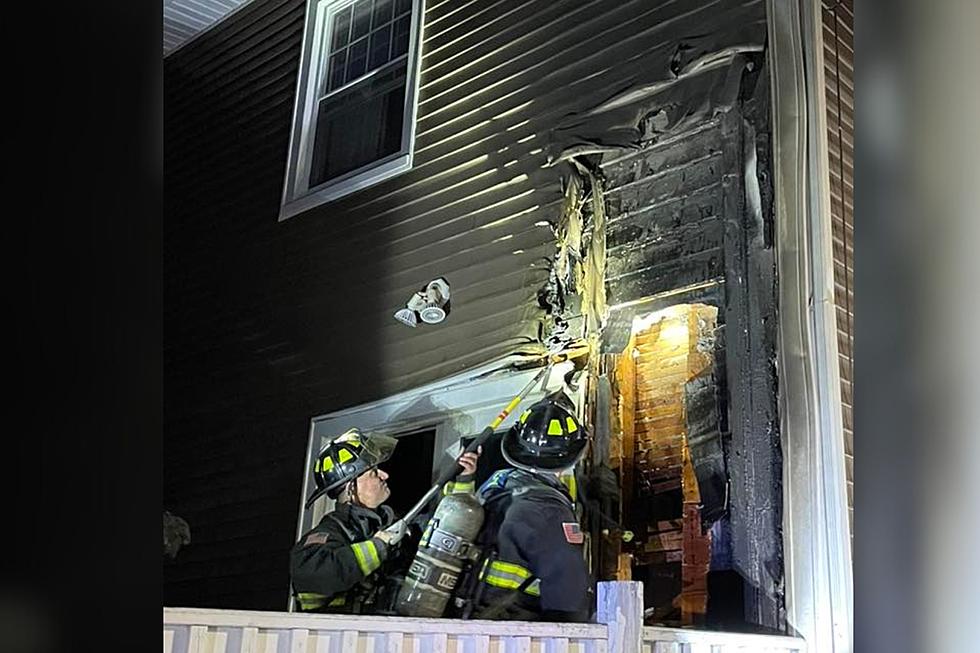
{"x":354,"y":121}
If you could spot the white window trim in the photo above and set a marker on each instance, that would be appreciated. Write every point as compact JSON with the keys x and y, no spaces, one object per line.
{"x":297,"y":197}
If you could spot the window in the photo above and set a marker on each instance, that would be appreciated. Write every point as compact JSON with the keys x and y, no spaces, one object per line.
{"x":354,"y":121}
{"x":407,"y":478}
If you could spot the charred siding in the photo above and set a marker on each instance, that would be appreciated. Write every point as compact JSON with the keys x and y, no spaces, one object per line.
{"x":268,"y":324}
{"x":685,"y":226}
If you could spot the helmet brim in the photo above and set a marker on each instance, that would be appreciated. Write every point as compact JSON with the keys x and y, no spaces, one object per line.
{"x":316,"y":495}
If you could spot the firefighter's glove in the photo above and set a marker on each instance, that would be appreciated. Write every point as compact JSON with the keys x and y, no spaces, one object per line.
{"x":394,"y":533}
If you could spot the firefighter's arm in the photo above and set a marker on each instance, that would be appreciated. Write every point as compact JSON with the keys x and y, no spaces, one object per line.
{"x":324,"y":564}
{"x":465,"y":482}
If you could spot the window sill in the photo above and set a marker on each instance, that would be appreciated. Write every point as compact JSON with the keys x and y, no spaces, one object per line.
{"x":329,"y":192}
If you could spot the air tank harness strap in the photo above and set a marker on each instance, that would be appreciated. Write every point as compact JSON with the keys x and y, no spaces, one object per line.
{"x":447,"y":542}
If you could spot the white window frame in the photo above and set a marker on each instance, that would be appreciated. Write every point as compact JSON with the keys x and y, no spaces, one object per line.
{"x":297,"y":196}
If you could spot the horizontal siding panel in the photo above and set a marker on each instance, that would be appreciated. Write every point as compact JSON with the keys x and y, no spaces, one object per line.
{"x":226,"y":39}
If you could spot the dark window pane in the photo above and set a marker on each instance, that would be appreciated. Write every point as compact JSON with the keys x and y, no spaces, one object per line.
{"x":336,"y":73}
{"x":380,"y":45}
{"x":357,"y":59}
{"x":358,"y":126}
{"x":402,"y":29}
{"x":362,"y":18}
{"x":341,"y":29}
{"x":403,"y":7}
{"x":382,"y":13}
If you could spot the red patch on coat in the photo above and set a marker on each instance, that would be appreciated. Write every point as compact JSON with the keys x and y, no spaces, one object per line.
{"x":573,"y":533}
{"x":316,"y":538}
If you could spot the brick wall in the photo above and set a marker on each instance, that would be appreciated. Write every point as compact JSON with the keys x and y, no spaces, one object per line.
{"x":661,"y":496}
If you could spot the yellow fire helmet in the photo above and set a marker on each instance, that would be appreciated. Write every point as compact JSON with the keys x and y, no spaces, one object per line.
{"x":547,"y":437}
{"x":345,"y":458}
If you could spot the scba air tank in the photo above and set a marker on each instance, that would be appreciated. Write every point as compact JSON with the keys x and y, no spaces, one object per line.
{"x":446,"y":546}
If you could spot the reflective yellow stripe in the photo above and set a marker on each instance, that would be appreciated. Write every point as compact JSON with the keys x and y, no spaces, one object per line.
{"x":343,"y":456}
{"x":367,"y":556}
{"x":568,"y":480}
{"x":310,"y":600}
{"x":571,"y":425}
{"x":510,"y":576}
{"x":327,"y":464}
{"x":554,"y":428}
{"x":510,"y":568}
{"x":453,"y":487}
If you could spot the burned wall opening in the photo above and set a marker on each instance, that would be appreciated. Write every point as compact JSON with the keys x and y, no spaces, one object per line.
{"x":693,"y":425}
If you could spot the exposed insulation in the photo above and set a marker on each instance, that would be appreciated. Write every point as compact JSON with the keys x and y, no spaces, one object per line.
{"x":594,"y":268}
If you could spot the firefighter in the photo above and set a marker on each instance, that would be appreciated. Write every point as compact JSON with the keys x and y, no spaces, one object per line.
{"x":341,"y":565}
{"x":533,"y":566}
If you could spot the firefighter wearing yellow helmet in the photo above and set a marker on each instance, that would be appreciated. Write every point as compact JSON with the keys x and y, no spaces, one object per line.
{"x":533,"y":566}
{"x":341,"y":565}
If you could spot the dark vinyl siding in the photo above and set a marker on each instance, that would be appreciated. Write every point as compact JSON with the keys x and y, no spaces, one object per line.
{"x":268,"y":324}
{"x":838,"y":32}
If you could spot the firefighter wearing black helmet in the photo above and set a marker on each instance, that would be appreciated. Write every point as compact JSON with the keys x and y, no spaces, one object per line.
{"x":534,"y":568}
{"x":342,"y":564}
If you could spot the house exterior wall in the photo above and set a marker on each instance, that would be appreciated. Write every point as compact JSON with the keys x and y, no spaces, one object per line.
{"x":268,"y":324}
